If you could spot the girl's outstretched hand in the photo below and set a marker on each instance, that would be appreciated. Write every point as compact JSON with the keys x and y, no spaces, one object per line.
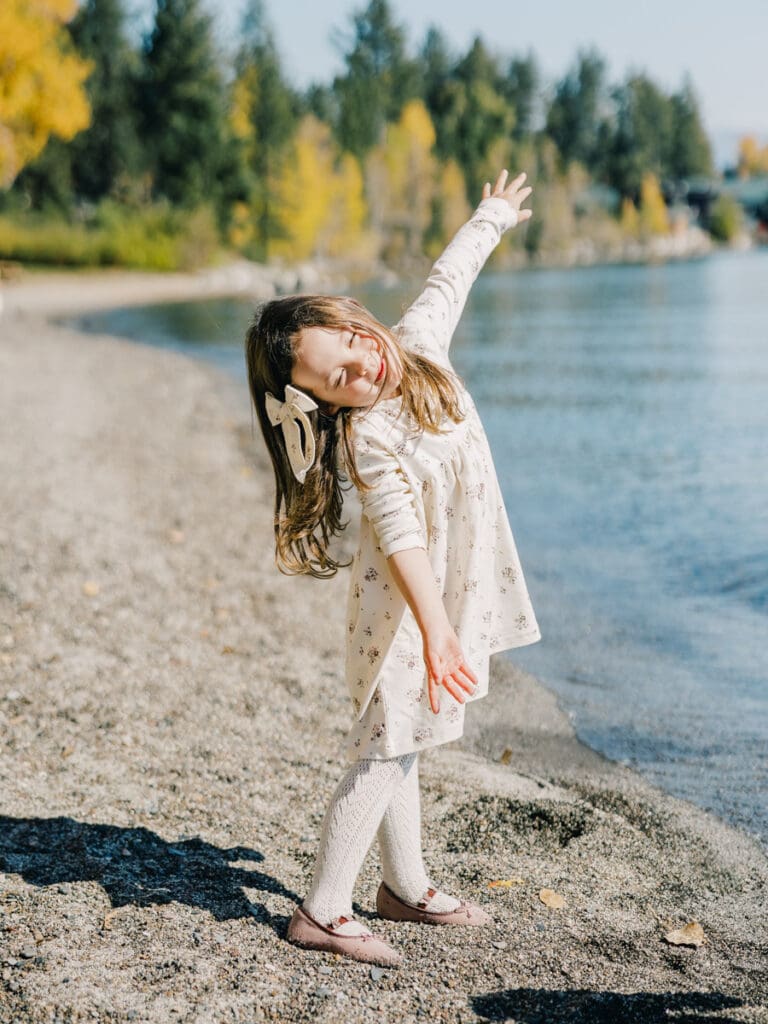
{"x":446,"y":667}
{"x":513,"y":193}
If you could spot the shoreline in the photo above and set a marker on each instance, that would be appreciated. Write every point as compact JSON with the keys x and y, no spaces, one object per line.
{"x":23,"y":284}
{"x":156,"y":695}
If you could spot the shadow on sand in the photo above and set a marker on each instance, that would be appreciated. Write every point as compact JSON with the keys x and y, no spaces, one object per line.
{"x":135,"y":866}
{"x":584,"y":1006}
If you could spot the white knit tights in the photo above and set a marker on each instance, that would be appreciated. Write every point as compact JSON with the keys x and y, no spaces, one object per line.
{"x":375,"y":796}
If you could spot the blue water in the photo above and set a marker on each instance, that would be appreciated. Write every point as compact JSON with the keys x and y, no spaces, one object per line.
{"x":627,"y":408}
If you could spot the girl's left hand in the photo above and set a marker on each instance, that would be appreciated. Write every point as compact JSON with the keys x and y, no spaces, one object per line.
{"x":513,"y":193}
{"x":446,"y":667}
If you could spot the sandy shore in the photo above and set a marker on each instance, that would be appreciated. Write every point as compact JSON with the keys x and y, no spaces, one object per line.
{"x":171,"y":724}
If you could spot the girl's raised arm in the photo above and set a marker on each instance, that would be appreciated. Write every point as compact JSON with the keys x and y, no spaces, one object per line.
{"x":433,"y":317}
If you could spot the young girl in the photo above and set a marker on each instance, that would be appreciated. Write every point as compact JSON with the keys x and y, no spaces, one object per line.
{"x":436,"y":584}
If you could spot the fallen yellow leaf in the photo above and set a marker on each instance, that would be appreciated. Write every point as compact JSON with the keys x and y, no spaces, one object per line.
{"x":505,"y":883}
{"x":552,"y":899}
{"x":506,"y":755}
{"x":691,"y":934}
{"x":176,"y":536}
{"x":91,"y":588}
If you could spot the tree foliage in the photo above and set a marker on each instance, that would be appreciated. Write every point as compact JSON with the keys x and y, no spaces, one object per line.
{"x":182,"y":104}
{"x":106,"y":156}
{"x":753,"y":158}
{"x":654,"y":219}
{"x":318,"y":197}
{"x":384,"y":161}
{"x":521,"y":89}
{"x":471,"y":114}
{"x":41,"y":81}
{"x":690,"y":150}
{"x":726,"y":219}
{"x":400,"y":172}
{"x":263,"y":117}
{"x":379,"y":78}
{"x":577,"y":110}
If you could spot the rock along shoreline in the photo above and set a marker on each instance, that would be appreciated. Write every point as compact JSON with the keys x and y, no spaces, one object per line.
{"x":172,"y":717}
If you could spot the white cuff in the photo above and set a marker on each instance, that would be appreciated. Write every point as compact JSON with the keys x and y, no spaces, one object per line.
{"x":499,"y":211}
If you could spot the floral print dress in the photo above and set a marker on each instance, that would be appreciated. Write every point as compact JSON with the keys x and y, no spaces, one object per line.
{"x":438,"y":492}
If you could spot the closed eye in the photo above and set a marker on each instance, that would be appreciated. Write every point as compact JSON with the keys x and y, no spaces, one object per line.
{"x":339,"y":380}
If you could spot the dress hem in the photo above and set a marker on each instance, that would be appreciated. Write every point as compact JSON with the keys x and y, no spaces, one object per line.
{"x":516,"y":640}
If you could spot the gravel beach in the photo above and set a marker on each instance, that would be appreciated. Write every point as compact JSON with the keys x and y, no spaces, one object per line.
{"x":172,"y":718}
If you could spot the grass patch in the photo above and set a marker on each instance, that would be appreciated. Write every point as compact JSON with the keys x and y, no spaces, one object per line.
{"x":154,"y":237}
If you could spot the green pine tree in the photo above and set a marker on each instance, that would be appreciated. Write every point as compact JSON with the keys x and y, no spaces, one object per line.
{"x":521,"y":88}
{"x":379,"y":79}
{"x":643,"y":137}
{"x":474,"y":116}
{"x":574,"y":117}
{"x":690,"y":150}
{"x":183,"y":105}
{"x":107,"y":155}
{"x":437,"y":67}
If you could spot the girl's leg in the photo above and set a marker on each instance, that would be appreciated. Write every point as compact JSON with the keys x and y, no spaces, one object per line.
{"x":348,"y":829}
{"x":399,"y":836}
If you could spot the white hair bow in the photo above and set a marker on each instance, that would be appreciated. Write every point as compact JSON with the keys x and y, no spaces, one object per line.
{"x":288,"y":415}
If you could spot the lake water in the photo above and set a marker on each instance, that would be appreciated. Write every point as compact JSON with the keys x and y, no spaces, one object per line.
{"x":627,"y":408}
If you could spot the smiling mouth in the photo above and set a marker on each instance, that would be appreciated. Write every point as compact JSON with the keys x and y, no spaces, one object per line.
{"x":380,"y":374}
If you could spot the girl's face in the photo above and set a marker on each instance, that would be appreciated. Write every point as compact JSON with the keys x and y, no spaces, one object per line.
{"x":344,"y":368}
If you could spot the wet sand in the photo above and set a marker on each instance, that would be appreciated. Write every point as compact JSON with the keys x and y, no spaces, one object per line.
{"x":172,"y":717}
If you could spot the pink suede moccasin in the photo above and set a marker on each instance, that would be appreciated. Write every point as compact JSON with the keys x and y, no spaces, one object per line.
{"x":392,"y":908}
{"x":306,"y":931}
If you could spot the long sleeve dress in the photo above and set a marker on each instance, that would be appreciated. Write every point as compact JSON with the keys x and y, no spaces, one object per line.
{"x":439,"y":492}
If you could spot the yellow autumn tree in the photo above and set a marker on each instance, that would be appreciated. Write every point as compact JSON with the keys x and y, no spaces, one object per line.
{"x":753,"y":158}
{"x":303,"y":192}
{"x":41,"y":81}
{"x":450,"y":208}
{"x":400,"y":179}
{"x":453,"y":195}
{"x":345,"y":235}
{"x":555,"y":217}
{"x":319,"y":198}
{"x":654,"y":218}
{"x":630,"y":218}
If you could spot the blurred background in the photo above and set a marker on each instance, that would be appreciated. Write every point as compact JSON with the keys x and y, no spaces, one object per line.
{"x":174,"y":134}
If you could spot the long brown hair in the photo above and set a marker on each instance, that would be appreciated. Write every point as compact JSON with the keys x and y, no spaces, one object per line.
{"x":308,"y":515}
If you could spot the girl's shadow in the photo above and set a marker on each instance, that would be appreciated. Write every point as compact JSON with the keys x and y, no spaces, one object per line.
{"x":135,"y":866}
{"x":585,"y":1006}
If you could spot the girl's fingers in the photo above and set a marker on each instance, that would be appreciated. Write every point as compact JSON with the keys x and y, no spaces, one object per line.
{"x":468,"y":672}
{"x":432,"y":688}
{"x":455,"y":676}
{"x":508,"y":191}
{"x":500,"y":182}
{"x":465,"y":682}
{"x":453,"y":689}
